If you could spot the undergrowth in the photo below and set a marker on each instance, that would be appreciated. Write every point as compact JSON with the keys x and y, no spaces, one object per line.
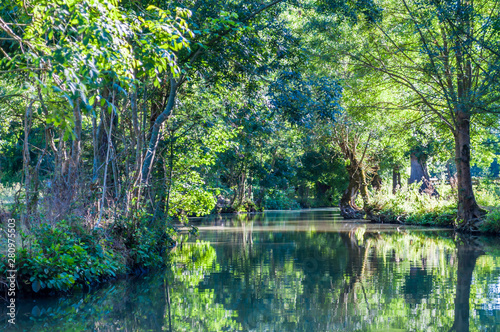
{"x":66,"y":256}
{"x":280,"y":200}
{"x":491,"y":221}
{"x":409,"y":205}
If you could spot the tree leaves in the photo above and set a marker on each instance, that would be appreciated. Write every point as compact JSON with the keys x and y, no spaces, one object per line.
{"x":303,"y":100}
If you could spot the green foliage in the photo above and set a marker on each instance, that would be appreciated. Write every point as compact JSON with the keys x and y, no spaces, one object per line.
{"x":91,"y":40}
{"x":491,"y":222}
{"x":62,"y":257}
{"x":408,"y":205}
{"x":58,"y":258}
{"x":11,"y":157}
{"x":488,"y":193}
{"x":142,"y":242}
{"x":321,"y":177}
{"x":145,"y":247}
{"x":303,"y":100}
{"x":280,"y":200}
{"x":246,"y":206}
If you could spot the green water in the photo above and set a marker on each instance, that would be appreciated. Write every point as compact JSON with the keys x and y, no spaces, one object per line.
{"x":296,"y":271}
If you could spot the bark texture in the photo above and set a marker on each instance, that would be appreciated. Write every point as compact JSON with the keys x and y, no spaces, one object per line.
{"x":419,"y":173}
{"x":469,"y":212}
{"x":357,"y":183}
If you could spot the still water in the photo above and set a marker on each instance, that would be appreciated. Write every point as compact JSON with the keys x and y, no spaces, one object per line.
{"x":303,"y":270}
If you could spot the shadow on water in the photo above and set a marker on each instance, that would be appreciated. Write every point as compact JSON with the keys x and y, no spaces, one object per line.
{"x":296,"y":271}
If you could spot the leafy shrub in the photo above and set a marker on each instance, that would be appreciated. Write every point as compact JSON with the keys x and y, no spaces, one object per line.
{"x":145,"y":247}
{"x":487,"y":193}
{"x":492,"y":221}
{"x":143,"y":242}
{"x":410,"y":206}
{"x":57,"y":258}
{"x":246,"y":206}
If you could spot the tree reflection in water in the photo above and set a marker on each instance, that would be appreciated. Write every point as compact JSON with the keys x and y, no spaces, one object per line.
{"x":468,"y":251}
{"x":296,"y":272}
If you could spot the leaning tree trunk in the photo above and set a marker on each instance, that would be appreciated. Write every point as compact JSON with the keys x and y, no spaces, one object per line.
{"x":468,"y":210}
{"x":155,"y":133}
{"x":419,"y":173}
{"x":357,"y":183}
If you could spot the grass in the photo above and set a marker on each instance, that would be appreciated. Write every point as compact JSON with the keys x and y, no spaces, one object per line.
{"x":491,"y":221}
{"x":408,"y":205}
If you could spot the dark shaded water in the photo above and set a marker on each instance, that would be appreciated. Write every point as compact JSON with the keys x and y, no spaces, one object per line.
{"x":297,"y":271}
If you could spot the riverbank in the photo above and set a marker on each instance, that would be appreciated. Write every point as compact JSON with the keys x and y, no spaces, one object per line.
{"x":234,"y":284}
{"x":409,"y":206}
{"x":54,"y":259}
{"x":68,"y":256}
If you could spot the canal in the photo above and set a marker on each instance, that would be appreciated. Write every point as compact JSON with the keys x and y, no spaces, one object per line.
{"x":306,"y":270}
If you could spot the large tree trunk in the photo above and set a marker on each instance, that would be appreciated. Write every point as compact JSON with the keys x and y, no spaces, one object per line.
{"x":357,"y":183}
{"x":468,"y":210}
{"x":418,"y":169}
{"x":419,"y":173}
{"x":241,"y":187}
{"x":363,"y":187}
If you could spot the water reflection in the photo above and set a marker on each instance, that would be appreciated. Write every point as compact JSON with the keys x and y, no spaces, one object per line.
{"x":468,"y":251}
{"x":298,"y":271}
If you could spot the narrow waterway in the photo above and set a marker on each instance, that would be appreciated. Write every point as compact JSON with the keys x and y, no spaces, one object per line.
{"x":305,"y":270}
